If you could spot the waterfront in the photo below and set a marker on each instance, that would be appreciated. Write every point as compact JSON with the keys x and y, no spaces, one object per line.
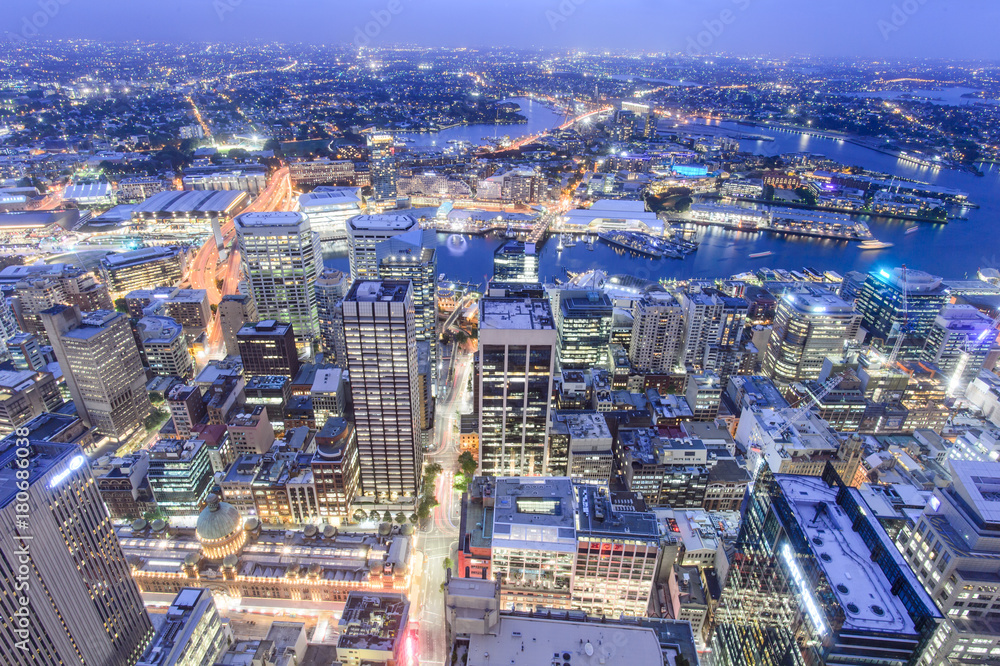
{"x":540,"y":118}
{"x":954,"y":250}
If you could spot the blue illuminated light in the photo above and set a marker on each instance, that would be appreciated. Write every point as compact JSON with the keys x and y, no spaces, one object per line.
{"x":934,"y":503}
{"x":884,"y":274}
{"x":812,"y":608}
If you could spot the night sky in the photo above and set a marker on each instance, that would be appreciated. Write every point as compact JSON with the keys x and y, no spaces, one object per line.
{"x":864,"y":28}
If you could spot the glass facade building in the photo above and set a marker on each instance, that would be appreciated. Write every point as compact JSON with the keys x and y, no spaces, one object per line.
{"x":817,"y":580}
{"x":881,"y":306}
{"x":584,"y":321}
{"x":517,"y":348}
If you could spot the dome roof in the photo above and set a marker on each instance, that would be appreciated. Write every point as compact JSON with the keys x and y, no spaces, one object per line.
{"x":218,"y":520}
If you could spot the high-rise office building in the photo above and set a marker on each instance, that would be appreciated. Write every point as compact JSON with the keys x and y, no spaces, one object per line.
{"x":958,"y":343}
{"x":25,"y":352}
{"x":102,"y":366}
{"x":365,"y":232}
{"x":235,"y":310}
{"x":560,"y":544}
{"x":515,"y":261}
{"x":817,"y":580}
{"x":192,"y":632}
{"x":583,"y":320}
{"x":180,"y":475}
{"x":381,"y":148}
{"x":810,"y":324}
{"x":147,"y":268}
{"x":517,"y":348}
{"x":954,"y":552}
{"x":881,"y":306}
{"x":165,"y":347}
{"x":281,"y":260}
{"x":61,"y":555}
{"x":331,"y":287}
{"x":382,"y":361}
{"x":657,"y":342}
{"x":713,"y":330}
{"x":268,"y":348}
{"x":411,"y":256}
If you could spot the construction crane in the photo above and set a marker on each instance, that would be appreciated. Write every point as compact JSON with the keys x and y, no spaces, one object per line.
{"x":812,"y":399}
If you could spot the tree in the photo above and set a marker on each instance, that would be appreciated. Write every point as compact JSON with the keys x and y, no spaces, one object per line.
{"x":215,"y":308}
{"x":467,"y":463}
{"x":387,"y":517}
{"x":400,"y":518}
{"x":155,"y":397}
{"x":360,"y":515}
{"x":414,"y":518}
{"x":447,"y":564}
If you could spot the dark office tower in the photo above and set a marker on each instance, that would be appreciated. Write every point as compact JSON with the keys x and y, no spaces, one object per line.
{"x":517,"y":348}
{"x":235,"y":310}
{"x":881,"y":306}
{"x":84,"y":607}
{"x":412,"y":257}
{"x":268,"y":348}
{"x":583,"y":319}
{"x":383,"y":169}
{"x":382,"y":362}
{"x":515,"y":261}
{"x":331,"y":287}
{"x":817,"y":580}
{"x":98,"y":356}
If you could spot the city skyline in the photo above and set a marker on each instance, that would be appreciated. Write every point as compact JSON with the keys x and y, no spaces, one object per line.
{"x":336,"y":351}
{"x":854,"y":28}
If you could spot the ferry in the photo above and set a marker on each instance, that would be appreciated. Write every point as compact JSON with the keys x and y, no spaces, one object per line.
{"x":758,"y":255}
{"x":910,"y":230}
{"x":632,"y":241}
{"x":874,"y":245}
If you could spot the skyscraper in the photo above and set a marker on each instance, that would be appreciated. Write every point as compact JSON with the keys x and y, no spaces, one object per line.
{"x":517,"y":347}
{"x":959,"y":340}
{"x":383,"y":168}
{"x":713,"y":324}
{"x":382,"y":360}
{"x":192,"y":632}
{"x":331,"y":287}
{"x":954,"y":552}
{"x":583,"y":320}
{"x":411,"y":256}
{"x":657,"y":342}
{"x":62,"y":556}
{"x":365,"y":232}
{"x":100,"y":361}
{"x":881,"y":306}
{"x":234,"y":311}
{"x":281,"y":259}
{"x":810,"y":324}
{"x":817,"y":580}
{"x":515,"y":261}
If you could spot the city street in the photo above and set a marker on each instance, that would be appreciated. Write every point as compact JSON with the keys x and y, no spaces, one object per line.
{"x":441,"y":540}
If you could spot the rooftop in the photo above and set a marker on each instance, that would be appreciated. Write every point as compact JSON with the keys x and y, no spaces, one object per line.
{"x":137,"y":257}
{"x":530,"y":641}
{"x":373,"y":621}
{"x":515,"y":313}
{"x":275,"y":219}
{"x":371,"y":291}
{"x":382,"y":222}
{"x":190,"y":201}
{"x":859,"y":584}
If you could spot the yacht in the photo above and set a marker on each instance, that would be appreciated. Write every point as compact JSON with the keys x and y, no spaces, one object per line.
{"x":874,"y":245}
